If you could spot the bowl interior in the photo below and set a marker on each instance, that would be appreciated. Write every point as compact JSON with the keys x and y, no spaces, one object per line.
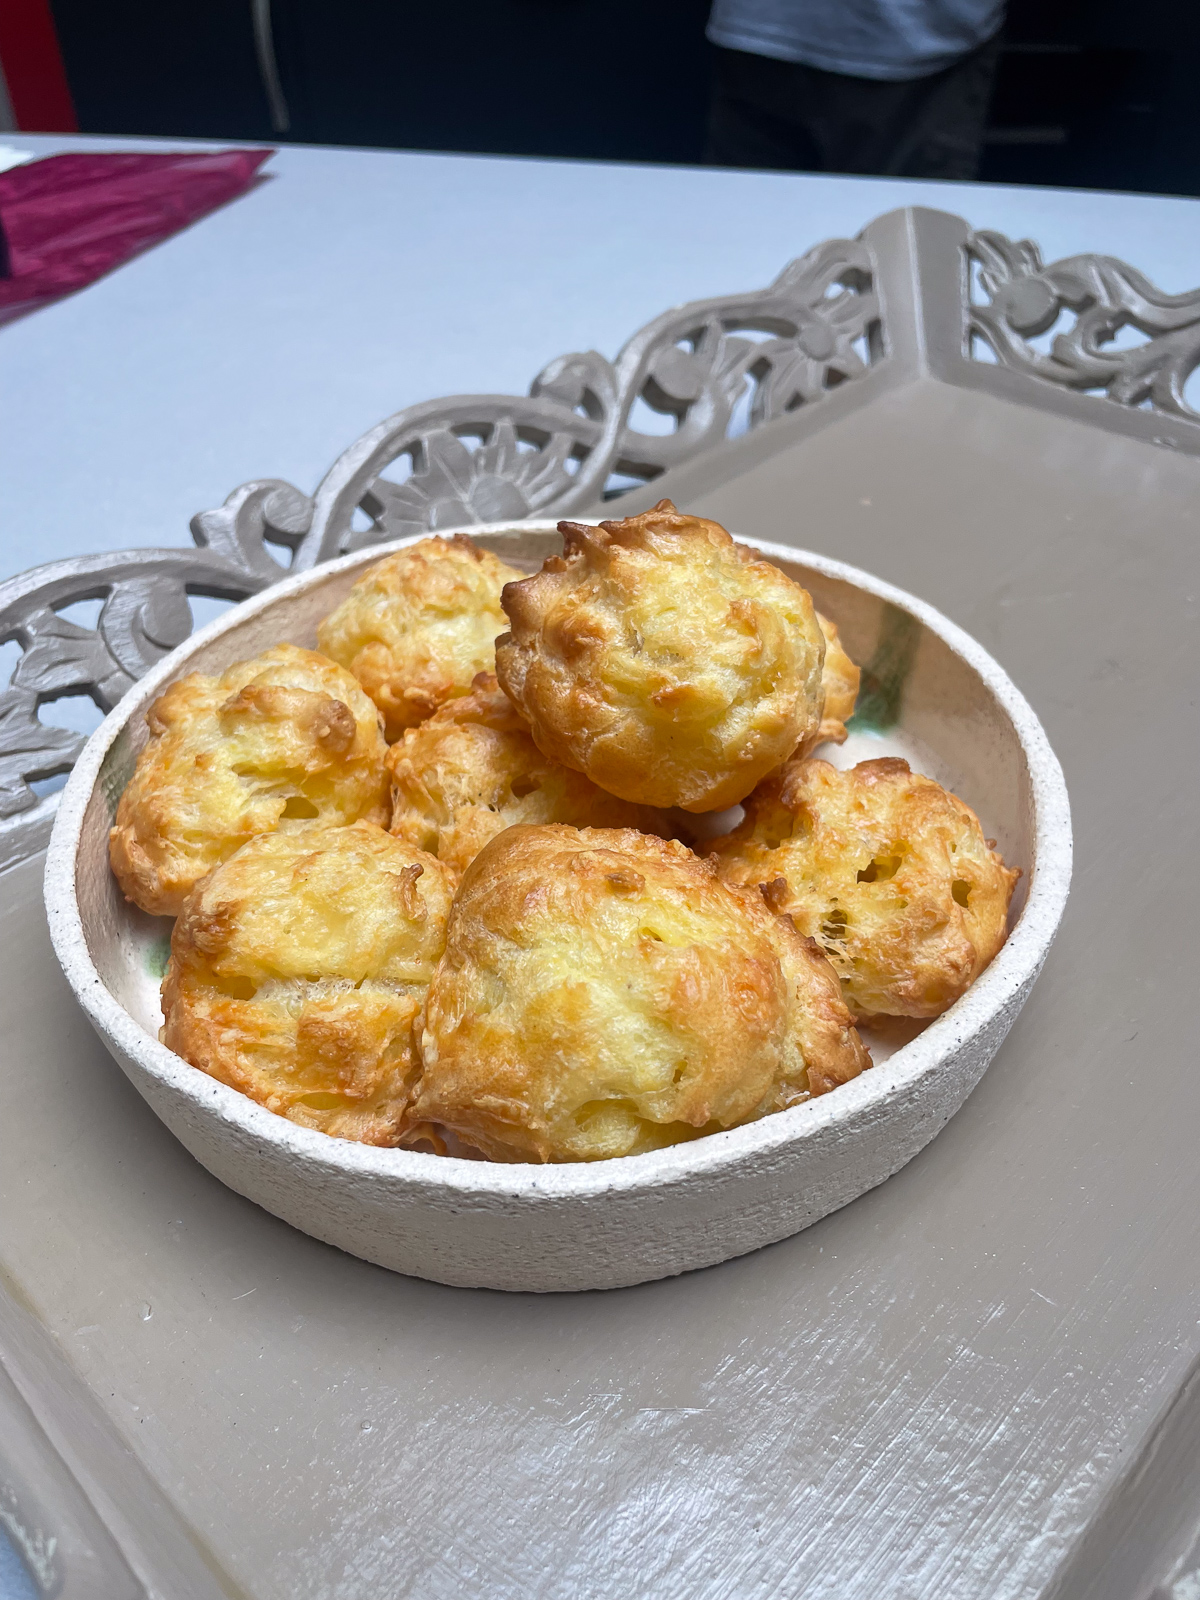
{"x":921,"y":699}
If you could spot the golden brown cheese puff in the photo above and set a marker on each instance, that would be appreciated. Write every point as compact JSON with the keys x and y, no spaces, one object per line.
{"x":839,"y":683}
{"x":418,"y":626}
{"x":285,"y":735}
{"x":298,"y":969}
{"x":473,"y":770}
{"x":667,"y":663}
{"x":603,"y":994}
{"x":888,"y":871}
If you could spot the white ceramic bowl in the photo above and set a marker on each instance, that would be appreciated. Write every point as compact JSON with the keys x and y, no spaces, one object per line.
{"x":598,"y":1225}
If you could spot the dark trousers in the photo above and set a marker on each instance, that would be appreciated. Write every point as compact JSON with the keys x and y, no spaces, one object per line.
{"x":768,"y":113}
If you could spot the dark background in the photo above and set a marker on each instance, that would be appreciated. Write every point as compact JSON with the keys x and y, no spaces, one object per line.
{"x":1090,"y":93}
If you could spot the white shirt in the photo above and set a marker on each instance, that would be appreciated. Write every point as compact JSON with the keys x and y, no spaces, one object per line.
{"x":886,"y":39}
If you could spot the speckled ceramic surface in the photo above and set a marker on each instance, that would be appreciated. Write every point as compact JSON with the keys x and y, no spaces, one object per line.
{"x":930,"y":693}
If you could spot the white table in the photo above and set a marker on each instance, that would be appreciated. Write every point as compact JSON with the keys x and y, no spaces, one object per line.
{"x":261,"y":341}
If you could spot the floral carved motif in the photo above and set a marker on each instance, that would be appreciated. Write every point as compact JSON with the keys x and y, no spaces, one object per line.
{"x":1024,"y":298}
{"x":472,"y":458}
{"x":575,"y":436}
{"x":588,"y":428}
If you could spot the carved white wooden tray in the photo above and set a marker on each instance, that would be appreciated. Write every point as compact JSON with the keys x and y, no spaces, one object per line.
{"x":918,"y":291}
{"x":988,"y":1388}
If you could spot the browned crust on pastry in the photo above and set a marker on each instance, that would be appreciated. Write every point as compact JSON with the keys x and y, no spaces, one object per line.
{"x":299,"y":970}
{"x":602,"y":993}
{"x":667,"y":663}
{"x":840,"y":680}
{"x":287,"y":734}
{"x":416,"y":627}
{"x":473,"y":770}
{"x":887,"y":870}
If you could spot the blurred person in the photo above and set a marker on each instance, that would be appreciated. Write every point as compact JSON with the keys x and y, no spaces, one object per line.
{"x":898,"y":88}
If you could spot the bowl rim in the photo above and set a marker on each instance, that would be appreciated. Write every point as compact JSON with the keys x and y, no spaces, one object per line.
{"x":713,"y":1156}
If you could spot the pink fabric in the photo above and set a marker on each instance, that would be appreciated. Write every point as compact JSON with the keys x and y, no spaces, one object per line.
{"x":69,"y":219}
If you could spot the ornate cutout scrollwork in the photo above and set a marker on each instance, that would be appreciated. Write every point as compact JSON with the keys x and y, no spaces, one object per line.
{"x":144,"y":613}
{"x":1025,"y":298}
{"x":707,"y":370}
{"x":471,"y":458}
{"x":488,"y":458}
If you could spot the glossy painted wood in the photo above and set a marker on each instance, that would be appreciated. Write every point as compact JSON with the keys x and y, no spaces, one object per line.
{"x":943,"y":1390}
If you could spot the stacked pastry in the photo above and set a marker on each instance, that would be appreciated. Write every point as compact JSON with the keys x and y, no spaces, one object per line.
{"x":441,"y":884}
